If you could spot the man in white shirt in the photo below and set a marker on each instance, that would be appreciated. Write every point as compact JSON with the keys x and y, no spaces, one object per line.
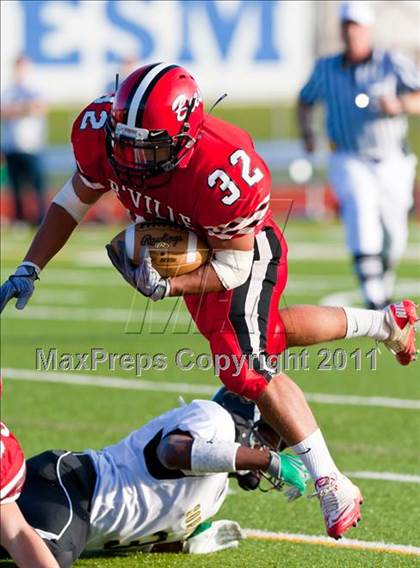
{"x":157,"y":485}
{"x":23,"y":138}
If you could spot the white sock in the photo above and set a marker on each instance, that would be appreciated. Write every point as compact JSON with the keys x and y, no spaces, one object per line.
{"x":315,"y":455}
{"x":366,"y":323}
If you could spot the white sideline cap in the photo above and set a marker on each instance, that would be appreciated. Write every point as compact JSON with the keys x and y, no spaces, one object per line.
{"x":358,"y":12}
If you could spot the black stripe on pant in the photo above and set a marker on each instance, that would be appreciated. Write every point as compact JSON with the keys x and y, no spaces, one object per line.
{"x":269,"y":283}
{"x":239,"y":297}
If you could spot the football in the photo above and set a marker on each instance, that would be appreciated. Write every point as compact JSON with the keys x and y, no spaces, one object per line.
{"x":174,"y":250}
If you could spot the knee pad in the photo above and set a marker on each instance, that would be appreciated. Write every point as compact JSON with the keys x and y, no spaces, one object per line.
{"x":369,"y":266}
{"x":371,"y":272}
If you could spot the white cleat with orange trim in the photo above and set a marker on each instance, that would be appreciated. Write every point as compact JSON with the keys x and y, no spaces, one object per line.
{"x":340,"y":502}
{"x":401,"y":318}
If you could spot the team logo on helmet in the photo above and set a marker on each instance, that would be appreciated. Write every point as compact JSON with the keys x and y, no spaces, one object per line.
{"x":181,"y":105}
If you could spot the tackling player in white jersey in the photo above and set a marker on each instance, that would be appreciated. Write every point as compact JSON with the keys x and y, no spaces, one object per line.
{"x":157,"y":485}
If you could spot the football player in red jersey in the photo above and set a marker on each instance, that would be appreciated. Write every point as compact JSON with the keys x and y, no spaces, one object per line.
{"x":165,"y":159}
{"x":20,"y":540}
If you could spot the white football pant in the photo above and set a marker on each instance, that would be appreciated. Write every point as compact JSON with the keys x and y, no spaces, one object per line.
{"x":375,"y":198}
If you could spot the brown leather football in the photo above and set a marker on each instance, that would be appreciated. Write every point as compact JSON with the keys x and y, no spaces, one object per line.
{"x":174,"y":251}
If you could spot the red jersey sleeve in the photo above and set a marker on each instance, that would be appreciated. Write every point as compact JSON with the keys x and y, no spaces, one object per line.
{"x":88,"y":138}
{"x":12,"y":466}
{"x":238,"y":195}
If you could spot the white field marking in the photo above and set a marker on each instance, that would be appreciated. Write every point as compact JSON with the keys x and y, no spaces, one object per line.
{"x":88,"y":258}
{"x":72,"y":276}
{"x":60,"y":295}
{"x":297,"y":251}
{"x":355,"y":400}
{"x":405,"y":549}
{"x":320,"y":284}
{"x":407,"y":287}
{"x":310,"y":283}
{"x":322,"y":250}
{"x":303,"y":283}
{"x":58,"y":313}
{"x":106,"y":381}
{"x":384,"y":476}
{"x":135,"y":384}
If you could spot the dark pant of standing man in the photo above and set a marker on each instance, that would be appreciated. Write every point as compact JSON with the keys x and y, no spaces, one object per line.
{"x":26,"y":169}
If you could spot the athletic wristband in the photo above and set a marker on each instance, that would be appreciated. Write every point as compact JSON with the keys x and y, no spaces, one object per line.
{"x":274,"y":467}
{"x":214,"y":456}
{"x":29,"y":263}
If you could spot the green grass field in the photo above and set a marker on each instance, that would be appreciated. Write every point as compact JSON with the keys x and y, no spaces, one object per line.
{"x":81,"y":302}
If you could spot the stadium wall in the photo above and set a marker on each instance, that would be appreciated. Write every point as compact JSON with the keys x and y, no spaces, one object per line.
{"x":256,"y":51}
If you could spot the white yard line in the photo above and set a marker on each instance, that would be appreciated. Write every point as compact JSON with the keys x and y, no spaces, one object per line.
{"x":106,"y":381}
{"x":405,"y":549}
{"x":297,"y":251}
{"x":407,"y":287}
{"x":60,"y":296}
{"x":41,"y":309}
{"x":61,"y":313}
{"x":384,"y":476}
{"x":337,"y":251}
{"x":296,"y":284}
{"x":134,"y":383}
{"x":355,"y":400}
{"x":76,"y":276}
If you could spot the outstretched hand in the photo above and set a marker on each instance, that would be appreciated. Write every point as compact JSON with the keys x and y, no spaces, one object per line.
{"x":19,"y":285}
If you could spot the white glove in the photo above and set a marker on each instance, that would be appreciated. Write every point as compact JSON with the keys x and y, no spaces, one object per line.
{"x":144,"y":277}
{"x":218,"y":536}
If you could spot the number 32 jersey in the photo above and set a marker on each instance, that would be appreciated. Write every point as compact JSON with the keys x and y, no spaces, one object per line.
{"x":220,"y":189}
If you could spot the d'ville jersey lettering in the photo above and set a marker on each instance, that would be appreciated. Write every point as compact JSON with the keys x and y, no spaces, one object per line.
{"x":152,"y":206}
